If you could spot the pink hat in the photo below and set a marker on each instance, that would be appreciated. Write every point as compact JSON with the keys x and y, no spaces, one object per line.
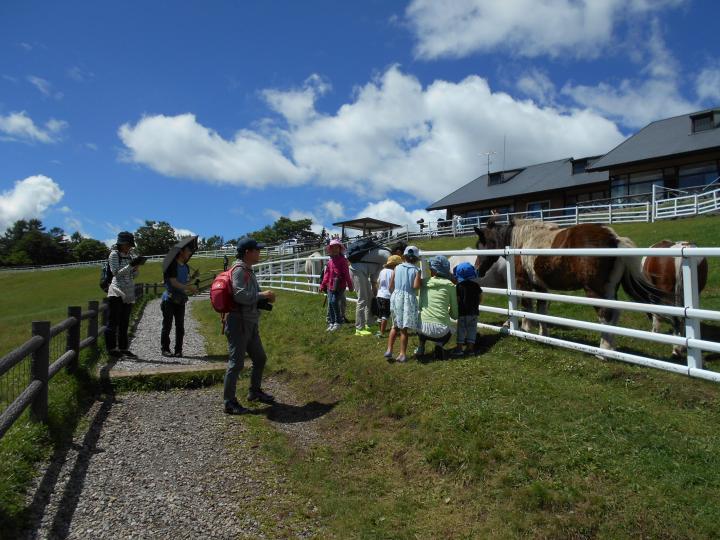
{"x":336,"y":242}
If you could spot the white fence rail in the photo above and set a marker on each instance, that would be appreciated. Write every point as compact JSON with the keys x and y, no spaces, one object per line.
{"x":289,"y":275}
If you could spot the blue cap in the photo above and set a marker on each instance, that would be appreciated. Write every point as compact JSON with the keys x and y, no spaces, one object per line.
{"x":464,"y":271}
{"x":246,"y":243}
{"x":440,"y":265}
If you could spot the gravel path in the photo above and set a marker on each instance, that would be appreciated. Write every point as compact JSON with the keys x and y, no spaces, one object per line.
{"x":146,"y":341}
{"x":173,"y":465}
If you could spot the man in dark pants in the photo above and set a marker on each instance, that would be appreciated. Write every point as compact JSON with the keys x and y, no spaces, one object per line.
{"x":177,"y":289}
{"x":241,"y":328}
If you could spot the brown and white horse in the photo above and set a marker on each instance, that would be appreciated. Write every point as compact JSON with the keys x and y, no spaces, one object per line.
{"x":599,"y":277}
{"x":666,"y":274}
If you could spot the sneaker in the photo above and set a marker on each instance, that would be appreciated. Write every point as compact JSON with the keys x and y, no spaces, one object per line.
{"x":388,"y":355}
{"x":401,"y":359}
{"x":379,"y":335}
{"x":419,"y":351}
{"x":259,"y":395}
{"x":330,"y":327}
{"x":114,"y":353}
{"x":233,"y":407}
{"x":457,"y":353}
{"x":359,"y":332}
{"x":166,"y":353}
{"x":178,"y":354}
{"x":335,"y":327}
{"x":128,"y":353}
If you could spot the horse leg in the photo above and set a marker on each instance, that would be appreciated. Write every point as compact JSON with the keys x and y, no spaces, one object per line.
{"x":605,"y":316}
{"x":527,"y":305}
{"x":679,"y":351}
{"x":542,"y":308}
{"x":655,"y":323}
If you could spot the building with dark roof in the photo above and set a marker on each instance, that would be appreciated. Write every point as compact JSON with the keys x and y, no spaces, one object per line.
{"x":555,"y":184}
{"x":682,"y":152}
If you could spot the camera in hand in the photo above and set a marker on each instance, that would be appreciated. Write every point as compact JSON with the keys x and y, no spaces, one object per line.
{"x":264,"y":304}
{"x":137,"y":261}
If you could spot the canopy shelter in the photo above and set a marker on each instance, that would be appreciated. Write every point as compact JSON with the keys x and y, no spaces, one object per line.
{"x":367,"y":225}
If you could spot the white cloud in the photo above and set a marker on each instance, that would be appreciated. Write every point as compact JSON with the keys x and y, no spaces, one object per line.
{"x":333,"y":209}
{"x":44,"y":87}
{"x":639,"y":101}
{"x":537,"y":85}
{"x":457,"y":28}
{"x":395,"y":135}
{"x":18,"y":126}
{"x":65,"y":210}
{"x":708,"y":85}
{"x":91,"y":146}
{"x":28,"y":199}
{"x":78,"y":74}
{"x":298,"y":106}
{"x":393,"y":212}
{"x":182,"y":233}
{"x":179,"y":146}
{"x":73,"y":224}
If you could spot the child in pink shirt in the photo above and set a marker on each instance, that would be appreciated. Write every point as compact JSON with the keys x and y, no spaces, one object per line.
{"x":335,"y":280}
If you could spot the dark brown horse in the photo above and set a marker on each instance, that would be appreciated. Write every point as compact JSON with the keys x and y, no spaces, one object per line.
{"x":599,"y":277}
{"x":666,"y":274}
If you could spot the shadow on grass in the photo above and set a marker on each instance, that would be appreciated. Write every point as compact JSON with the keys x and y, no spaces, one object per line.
{"x":285,"y":413}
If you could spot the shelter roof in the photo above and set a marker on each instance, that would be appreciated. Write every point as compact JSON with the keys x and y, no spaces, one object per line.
{"x":367,"y":224}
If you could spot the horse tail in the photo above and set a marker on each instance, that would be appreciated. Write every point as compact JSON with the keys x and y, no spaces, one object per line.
{"x":634,"y":282}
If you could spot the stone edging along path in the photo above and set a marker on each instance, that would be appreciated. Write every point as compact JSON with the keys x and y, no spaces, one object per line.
{"x":172,"y":464}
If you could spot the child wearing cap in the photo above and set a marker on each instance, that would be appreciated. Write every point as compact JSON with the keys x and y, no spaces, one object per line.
{"x":438,"y":303}
{"x":383,"y":291}
{"x":403,"y":302}
{"x":469,"y":294}
{"x":335,"y":280}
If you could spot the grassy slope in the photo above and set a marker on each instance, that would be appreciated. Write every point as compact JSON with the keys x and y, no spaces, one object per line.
{"x":523,"y":440}
{"x":33,"y":296}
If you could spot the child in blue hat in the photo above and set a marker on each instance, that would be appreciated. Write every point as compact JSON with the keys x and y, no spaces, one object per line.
{"x":469,"y":294}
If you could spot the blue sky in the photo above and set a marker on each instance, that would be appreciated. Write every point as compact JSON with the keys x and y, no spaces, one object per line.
{"x":219,"y":117}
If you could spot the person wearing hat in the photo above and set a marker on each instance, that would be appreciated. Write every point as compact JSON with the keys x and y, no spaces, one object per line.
{"x":336,"y":279}
{"x":403,"y":302}
{"x":242,"y":330}
{"x":121,"y":294}
{"x":176,"y":278}
{"x":469,"y":294}
{"x":384,"y":293}
{"x":438,"y":303}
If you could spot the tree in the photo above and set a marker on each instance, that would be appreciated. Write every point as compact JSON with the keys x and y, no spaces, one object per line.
{"x":155,"y":238}
{"x":213,"y":242}
{"x":39,"y":247}
{"x":89,"y":249}
{"x":285,"y":229}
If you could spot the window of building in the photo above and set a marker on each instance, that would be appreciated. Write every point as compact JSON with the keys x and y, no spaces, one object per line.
{"x":636,"y":187}
{"x":579,"y":166}
{"x":698,"y":174}
{"x":702,"y":122}
{"x":534,"y":208}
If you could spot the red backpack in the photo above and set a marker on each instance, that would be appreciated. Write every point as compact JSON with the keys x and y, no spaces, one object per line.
{"x":221,"y":292}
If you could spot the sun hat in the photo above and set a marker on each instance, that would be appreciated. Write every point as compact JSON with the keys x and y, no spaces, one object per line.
{"x":440,"y":265}
{"x":125,"y":237}
{"x":336,"y":242}
{"x":464,"y":271}
{"x":412,"y":251}
{"x":393,"y":261}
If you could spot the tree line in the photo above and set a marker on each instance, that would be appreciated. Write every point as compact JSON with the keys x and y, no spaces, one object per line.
{"x":28,"y":243}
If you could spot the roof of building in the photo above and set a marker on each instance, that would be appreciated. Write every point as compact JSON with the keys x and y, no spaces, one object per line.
{"x":662,"y":138}
{"x":534,"y":178}
{"x":367,"y":224}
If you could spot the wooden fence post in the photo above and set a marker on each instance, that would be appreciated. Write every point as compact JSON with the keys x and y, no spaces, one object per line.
{"x":72,"y":342}
{"x":93,"y":306}
{"x":39,"y":371}
{"x":105,"y":313}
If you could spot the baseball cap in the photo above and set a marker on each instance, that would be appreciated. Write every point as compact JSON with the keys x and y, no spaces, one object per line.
{"x":246,"y":243}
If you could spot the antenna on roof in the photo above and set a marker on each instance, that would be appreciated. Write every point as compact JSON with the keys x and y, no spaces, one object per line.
{"x":504,"y":143}
{"x":488,"y":154}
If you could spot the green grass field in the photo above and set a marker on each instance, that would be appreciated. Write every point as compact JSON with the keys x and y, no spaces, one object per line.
{"x":44,"y":296}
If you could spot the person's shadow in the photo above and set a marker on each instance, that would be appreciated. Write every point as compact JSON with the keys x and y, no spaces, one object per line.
{"x":285,"y":413}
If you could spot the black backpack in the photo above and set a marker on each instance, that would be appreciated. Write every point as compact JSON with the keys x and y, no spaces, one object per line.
{"x":106,"y":276}
{"x":357,"y":250}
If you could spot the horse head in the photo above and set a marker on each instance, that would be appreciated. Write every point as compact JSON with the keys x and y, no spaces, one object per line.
{"x":493,"y":236}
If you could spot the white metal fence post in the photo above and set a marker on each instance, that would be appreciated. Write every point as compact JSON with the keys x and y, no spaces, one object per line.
{"x":696,"y":204}
{"x":654,"y":204}
{"x":647,"y":213}
{"x":610,"y":216}
{"x":577,"y":215}
{"x":691,"y":299}
{"x":512,"y":299}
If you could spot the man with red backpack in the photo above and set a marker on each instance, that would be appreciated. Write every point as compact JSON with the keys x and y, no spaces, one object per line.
{"x":241,"y":327}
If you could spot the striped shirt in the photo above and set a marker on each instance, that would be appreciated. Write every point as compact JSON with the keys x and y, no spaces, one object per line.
{"x":123,"y":281}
